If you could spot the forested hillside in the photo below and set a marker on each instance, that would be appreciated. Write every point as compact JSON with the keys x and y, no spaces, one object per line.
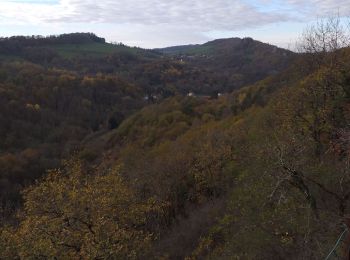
{"x":107,"y":156}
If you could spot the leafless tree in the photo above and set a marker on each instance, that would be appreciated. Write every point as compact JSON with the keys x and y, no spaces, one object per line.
{"x":322,"y":41}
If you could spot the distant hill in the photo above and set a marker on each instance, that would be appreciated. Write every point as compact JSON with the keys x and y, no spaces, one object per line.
{"x":39,"y":49}
{"x":244,"y":61}
{"x":181,"y":49}
{"x":218,"y":46}
{"x":221,"y":65}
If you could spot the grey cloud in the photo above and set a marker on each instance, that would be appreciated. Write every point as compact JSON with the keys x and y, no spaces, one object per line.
{"x":168,"y":22}
{"x":154,"y":36}
{"x":203,"y":15}
{"x":206,"y":15}
{"x":314,"y":8}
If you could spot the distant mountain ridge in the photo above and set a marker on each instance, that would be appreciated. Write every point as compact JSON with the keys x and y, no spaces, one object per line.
{"x":61,"y":49}
{"x":244,"y":61}
{"x":14,"y":43}
{"x":178,"y":49}
{"x":217,"y":45}
{"x":220,"y":65}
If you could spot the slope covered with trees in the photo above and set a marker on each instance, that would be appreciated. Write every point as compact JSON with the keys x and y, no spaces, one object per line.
{"x":261,"y":172}
{"x":244,"y":61}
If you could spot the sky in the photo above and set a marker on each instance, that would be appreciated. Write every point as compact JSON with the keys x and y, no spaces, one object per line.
{"x":161,"y":23}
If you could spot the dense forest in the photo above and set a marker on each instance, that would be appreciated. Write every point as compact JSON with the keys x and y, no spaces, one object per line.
{"x":234,"y":149}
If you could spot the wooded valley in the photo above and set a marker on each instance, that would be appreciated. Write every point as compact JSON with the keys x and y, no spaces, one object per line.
{"x":234,"y":149}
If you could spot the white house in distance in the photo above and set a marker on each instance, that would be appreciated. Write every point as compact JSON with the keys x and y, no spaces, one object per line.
{"x":192,"y":94}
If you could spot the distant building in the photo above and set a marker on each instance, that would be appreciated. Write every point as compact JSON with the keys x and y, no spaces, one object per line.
{"x":151,"y":97}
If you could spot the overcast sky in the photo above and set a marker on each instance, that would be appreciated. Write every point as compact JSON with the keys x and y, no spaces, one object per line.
{"x":160,"y":23}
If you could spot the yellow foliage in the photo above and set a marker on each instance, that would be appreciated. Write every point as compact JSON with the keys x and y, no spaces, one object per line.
{"x":72,"y":215}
